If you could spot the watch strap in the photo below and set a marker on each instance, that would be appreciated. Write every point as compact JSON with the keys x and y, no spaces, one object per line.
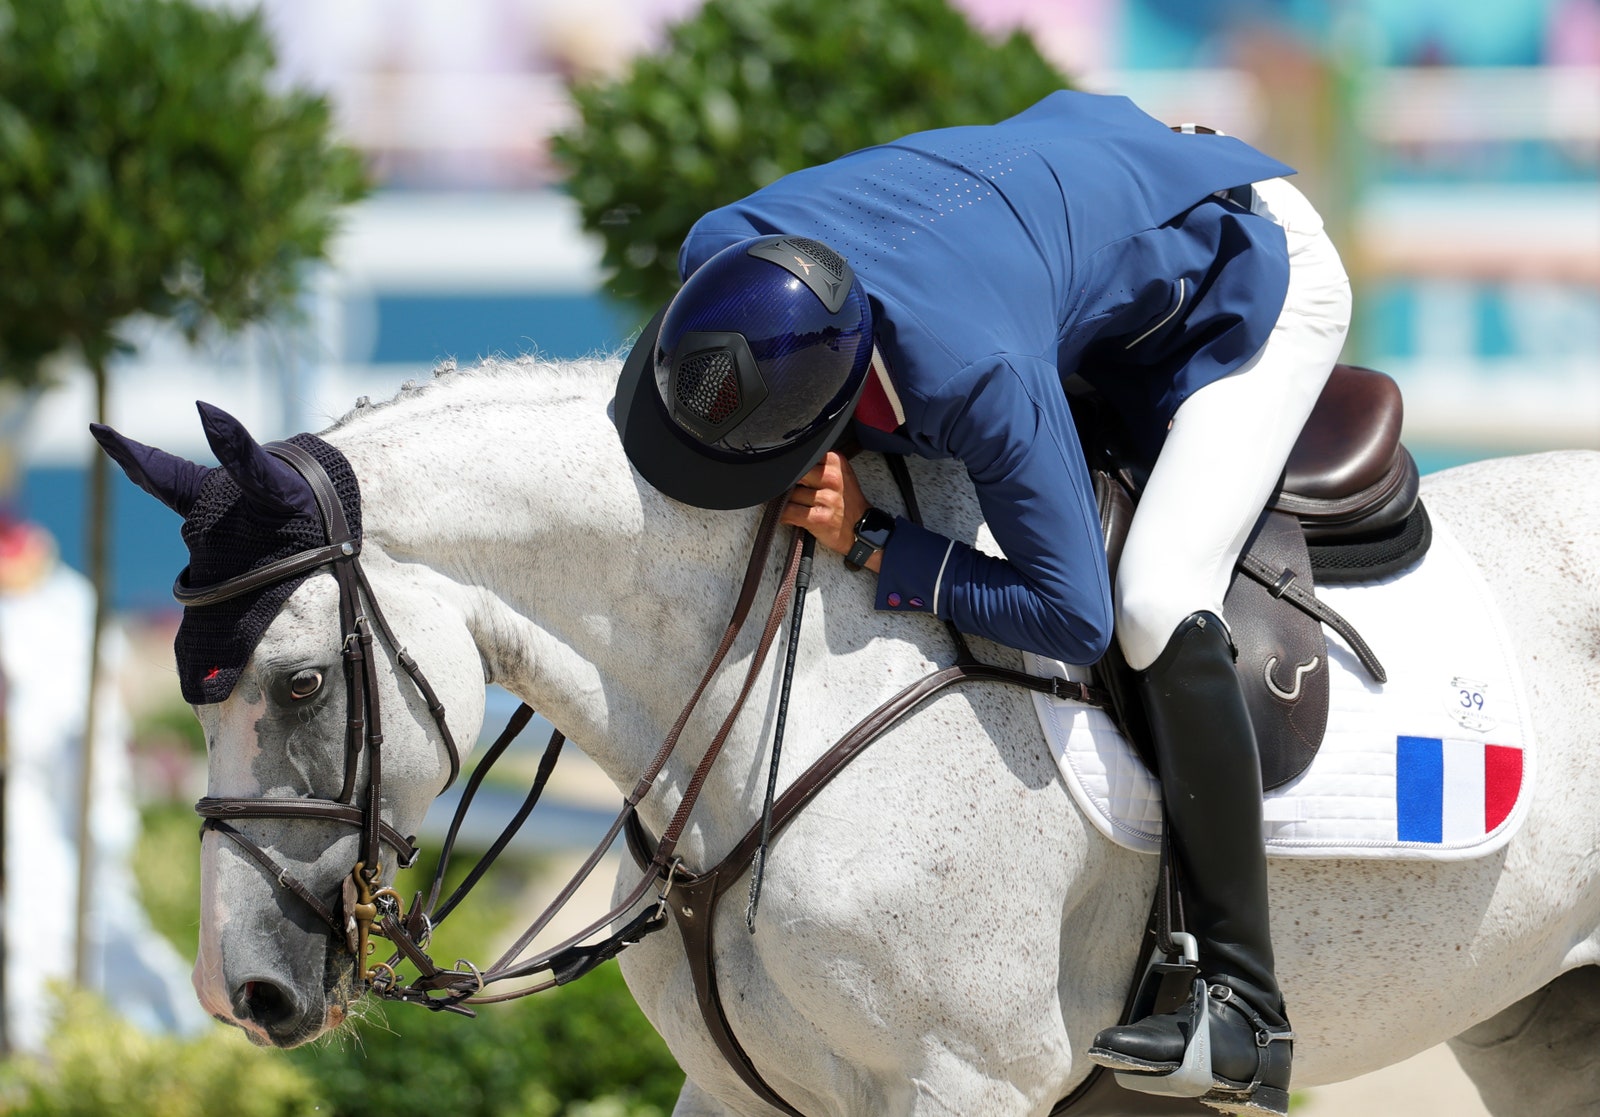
{"x":860,"y":553}
{"x":872,"y":534}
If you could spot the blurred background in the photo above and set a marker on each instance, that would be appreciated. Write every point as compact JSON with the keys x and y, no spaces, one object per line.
{"x":1453,"y":145}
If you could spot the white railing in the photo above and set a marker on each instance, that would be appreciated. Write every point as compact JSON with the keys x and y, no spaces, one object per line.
{"x":1557,"y":104}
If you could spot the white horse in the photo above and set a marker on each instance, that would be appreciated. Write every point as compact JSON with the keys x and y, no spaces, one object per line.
{"x":942,"y":930}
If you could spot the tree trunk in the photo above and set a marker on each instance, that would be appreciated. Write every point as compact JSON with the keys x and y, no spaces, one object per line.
{"x":5,"y":767}
{"x":98,"y":547}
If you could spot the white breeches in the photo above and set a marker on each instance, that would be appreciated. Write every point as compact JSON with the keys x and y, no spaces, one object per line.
{"x":1228,"y":444}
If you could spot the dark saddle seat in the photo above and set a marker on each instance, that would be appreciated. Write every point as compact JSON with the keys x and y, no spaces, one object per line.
{"x":1348,"y":473}
{"x":1346,"y":510}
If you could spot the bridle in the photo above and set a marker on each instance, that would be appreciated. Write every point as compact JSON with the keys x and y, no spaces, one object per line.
{"x":362,"y":894}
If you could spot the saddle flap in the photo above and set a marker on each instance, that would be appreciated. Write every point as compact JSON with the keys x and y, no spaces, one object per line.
{"x":1282,"y":651}
{"x":1282,"y":654}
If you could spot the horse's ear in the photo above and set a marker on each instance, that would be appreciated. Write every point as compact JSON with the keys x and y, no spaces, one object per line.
{"x":273,"y":486}
{"x":172,"y":480}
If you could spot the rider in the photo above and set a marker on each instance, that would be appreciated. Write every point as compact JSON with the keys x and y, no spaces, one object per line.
{"x":937,"y":291}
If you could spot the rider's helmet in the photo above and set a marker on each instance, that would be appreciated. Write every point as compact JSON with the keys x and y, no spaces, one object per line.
{"x":749,"y":374}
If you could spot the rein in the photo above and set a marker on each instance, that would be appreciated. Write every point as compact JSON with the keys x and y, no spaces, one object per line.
{"x":570,"y":959}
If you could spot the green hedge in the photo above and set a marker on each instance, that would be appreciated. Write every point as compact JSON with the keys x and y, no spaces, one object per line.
{"x":97,"y":1065}
{"x":559,"y":1053}
{"x":749,"y":90}
{"x":580,"y":1051}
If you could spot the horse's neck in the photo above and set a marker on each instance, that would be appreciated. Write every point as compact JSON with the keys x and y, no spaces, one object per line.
{"x":507,"y":501}
{"x":506,"y":494}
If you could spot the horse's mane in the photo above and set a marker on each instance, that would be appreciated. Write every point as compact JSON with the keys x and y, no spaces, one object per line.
{"x":560,"y":377}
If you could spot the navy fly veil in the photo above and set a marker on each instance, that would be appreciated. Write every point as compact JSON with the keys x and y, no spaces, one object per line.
{"x":230,"y":532}
{"x":253,"y":511}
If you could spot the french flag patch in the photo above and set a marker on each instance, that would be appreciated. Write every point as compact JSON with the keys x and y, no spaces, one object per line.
{"x":1447,"y":792}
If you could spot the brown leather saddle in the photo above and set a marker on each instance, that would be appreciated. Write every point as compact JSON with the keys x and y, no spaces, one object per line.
{"x":1347,"y":510}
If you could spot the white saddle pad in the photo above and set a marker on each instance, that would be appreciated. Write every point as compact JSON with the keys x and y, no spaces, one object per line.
{"x":1434,"y":764}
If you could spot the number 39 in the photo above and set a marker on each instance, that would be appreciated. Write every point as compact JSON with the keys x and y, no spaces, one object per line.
{"x":1472,"y":699}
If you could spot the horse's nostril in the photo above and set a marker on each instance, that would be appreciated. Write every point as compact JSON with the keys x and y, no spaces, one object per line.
{"x":265,"y":1003}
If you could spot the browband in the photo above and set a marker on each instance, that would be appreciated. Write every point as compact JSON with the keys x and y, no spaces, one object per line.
{"x":261,"y":576}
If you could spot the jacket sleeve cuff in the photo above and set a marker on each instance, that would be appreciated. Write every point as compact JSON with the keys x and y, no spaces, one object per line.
{"x":913,"y":563}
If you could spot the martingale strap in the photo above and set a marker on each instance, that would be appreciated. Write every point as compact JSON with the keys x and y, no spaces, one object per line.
{"x":692,"y":898}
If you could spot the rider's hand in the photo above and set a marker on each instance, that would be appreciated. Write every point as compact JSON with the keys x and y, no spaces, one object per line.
{"x":828,"y":503}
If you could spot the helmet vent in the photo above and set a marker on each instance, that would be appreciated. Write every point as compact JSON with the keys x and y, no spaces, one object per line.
{"x":822,"y":254}
{"x":708,"y":387}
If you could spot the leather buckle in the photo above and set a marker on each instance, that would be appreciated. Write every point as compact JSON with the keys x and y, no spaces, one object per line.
{"x":1066,"y":690}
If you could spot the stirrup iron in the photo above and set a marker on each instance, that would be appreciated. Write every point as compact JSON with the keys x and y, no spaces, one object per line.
{"x":1193,"y":1077}
{"x":1258,"y":1097}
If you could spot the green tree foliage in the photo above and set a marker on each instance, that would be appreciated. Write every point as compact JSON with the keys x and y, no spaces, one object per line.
{"x":749,"y":90}
{"x":149,"y":165}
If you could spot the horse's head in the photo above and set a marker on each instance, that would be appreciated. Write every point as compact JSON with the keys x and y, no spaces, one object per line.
{"x":322,"y":758}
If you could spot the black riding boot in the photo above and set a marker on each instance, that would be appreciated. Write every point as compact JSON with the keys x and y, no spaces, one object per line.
{"x":1211,"y":780}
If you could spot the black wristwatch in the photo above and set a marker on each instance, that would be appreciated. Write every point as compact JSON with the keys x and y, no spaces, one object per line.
{"x":872,"y":535}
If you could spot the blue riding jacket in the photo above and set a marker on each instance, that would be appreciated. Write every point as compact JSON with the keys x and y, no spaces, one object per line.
{"x":1080,"y":236}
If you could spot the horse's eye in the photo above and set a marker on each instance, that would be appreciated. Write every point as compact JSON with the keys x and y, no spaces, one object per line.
{"x":304,"y":684}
